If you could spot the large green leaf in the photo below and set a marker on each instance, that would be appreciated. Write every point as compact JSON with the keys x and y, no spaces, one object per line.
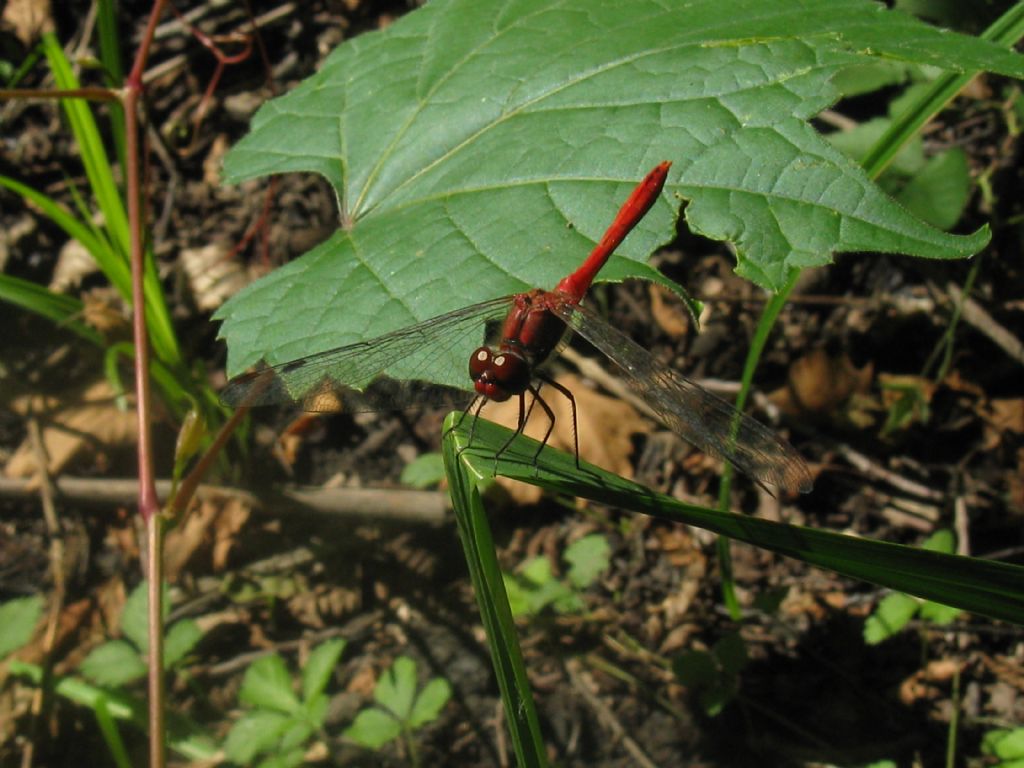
{"x":480,"y":147}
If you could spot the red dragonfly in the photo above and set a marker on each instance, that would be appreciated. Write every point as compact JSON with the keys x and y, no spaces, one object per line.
{"x":359,"y":376}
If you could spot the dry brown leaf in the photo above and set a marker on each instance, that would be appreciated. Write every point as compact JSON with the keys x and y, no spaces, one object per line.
{"x":671,"y":317}
{"x":820,"y":383}
{"x":103,"y":310}
{"x":1007,"y":414}
{"x":210,"y":527}
{"x":606,"y":426}
{"x":956,"y":382}
{"x":214,"y":160}
{"x":213,"y":275}
{"x":12,"y":232}
{"x":29,"y":19}
{"x":88,"y":422}
{"x":363,"y":681}
{"x":74,"y":263}
{"x":922,"y":684}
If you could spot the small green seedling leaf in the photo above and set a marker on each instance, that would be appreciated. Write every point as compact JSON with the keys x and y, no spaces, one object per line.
{"x":731,"y":653}
{"x":430,"y":702}
{"x":425,"y":471}
{"x":255,"y":732}
{"x":134,"y":618}
{"x":396,"y":688}
{"x":695,"y":669}
{"x":894,"y":612}
{"x":535,"y":588}
{"x":18,"y":619}
{"x":291,"y":759}
{"x":588,"y":559}
{"x":319,"y":667}
{"x":268,"y":685}
{"x":373,"y":728}
{"x":713,"y":677}
{"x":182,"y":637}
{"x":296,"y":734}
{"x":113,"y":664}
{"x":401,"y":708}
{"x":1007,"y":744}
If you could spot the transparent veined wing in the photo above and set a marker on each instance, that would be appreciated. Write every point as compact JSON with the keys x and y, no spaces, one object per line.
{"x":380,"y":373}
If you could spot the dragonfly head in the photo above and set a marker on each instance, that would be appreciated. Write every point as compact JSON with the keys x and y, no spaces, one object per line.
{"x":498,"y":376}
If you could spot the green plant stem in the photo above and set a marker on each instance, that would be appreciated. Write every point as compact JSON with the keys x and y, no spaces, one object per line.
{"x":945,"y":345}
{"x":769,"y":315}
{"x":188,"y":486}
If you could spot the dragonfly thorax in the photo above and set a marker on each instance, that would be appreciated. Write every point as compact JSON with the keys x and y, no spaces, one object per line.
{"x":499,"y":376}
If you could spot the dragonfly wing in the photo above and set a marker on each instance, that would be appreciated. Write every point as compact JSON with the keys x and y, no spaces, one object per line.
{"x":378,"y":374}
{"x":695,"y":414}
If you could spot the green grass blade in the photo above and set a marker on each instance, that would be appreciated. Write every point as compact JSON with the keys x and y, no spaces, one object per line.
{"x":53,"y":306}
{"x":110,"y":56}
{"x":107,"y":194}
{"x":1006,"y":30}
{"x":112,"y":264}
{"x":93,"y":153}
{"x":980,"y":586}
{"x":506,"y":656}
{"x":108,"y":727}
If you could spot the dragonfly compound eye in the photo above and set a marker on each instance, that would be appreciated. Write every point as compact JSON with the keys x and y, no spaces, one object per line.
{"x":479,"y":363}
{"x":511,"y":372}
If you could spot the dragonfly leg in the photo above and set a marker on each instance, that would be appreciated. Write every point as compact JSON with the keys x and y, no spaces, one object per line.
{"x":572,"y":404}
{"x":551,"y":420}
{"x":479,"y":403}
{"x":524,"y":414}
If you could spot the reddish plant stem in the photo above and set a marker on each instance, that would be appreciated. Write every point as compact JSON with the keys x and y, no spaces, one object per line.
{"x":149,"y":506}
{"x":187,"y":489}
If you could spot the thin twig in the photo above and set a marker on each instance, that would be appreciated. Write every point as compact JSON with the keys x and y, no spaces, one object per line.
{"x":375,"y":505}
{"x":870,"y":468}
{"x":40,"y":703}
{"x":582,"y":684}
{"x":984,"y":322}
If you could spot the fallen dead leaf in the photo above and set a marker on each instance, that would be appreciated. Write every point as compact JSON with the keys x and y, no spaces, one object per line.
{"x":1007,"y":414}
{"x":923,"y":683}
{"x":29,"y":19}
{"x":671,"y":317}
{"x":606,"y":426}
{"x":71,"y":427}
{"x":210,"y":527}
{"x":894,"y":384}
{"x":104,"y":310}
{"x":214,"y":160}
{"x":956,"y":382}
{"x":213,"y":275}
{"x":363,"y":681}
{"x":74,"y":264}
{"x":820,"y":383}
